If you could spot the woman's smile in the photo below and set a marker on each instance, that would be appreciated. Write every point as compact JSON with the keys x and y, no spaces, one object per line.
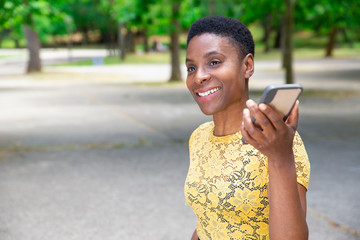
{"x":206,"y":94}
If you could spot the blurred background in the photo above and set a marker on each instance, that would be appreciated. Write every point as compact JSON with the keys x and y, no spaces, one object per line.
{"x":95,"y":116}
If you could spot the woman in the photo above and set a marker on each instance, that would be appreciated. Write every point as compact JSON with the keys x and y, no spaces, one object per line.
{"x":253,"y":190}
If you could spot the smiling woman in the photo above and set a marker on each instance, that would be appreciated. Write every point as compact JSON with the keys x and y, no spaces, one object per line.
{"x":238,"y":190}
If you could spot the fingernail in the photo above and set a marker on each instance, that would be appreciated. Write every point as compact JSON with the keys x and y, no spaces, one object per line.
{"x":262,"y":106}
{"x":250,"y":103}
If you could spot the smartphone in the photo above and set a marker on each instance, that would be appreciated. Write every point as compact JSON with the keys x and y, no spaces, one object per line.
{"x":281,"y":97}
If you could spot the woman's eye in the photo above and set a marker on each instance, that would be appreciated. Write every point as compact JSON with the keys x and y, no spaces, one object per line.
{"x":214,"y":62}
{"x":190,"y":69}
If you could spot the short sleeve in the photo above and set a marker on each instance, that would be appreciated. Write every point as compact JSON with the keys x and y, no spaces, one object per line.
{"x":302,"y":162}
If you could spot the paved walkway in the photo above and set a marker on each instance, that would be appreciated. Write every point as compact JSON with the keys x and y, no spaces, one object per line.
{"x":96,"y":159}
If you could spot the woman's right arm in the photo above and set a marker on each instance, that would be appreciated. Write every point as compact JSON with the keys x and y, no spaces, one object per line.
{"x":194,"y":236}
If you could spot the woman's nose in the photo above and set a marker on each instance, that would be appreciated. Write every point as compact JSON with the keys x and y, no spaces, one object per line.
{"x":202,"y":76}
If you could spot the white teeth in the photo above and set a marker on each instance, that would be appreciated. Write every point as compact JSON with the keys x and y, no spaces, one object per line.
{"x":208,"y":92}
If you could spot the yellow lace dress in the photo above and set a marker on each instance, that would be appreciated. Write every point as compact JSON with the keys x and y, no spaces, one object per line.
{"x":226,"y":185}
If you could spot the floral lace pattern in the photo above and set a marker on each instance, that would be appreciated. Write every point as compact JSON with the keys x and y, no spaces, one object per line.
{"x":226,"y":185}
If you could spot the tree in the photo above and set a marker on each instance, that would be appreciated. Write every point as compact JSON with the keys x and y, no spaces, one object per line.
{"x":85,"y":15}
{"x":267,"y":13}
{"x":174,"y":45}
{"x":142,"y":20}
{"x":9,"y":23}
{"x":34,"y":17}
{"x":329,"y":17}
{"x":166,"y":17}
{"x":288,"y":45}
{"x":33,"y":43}
{"x":122,"y":12}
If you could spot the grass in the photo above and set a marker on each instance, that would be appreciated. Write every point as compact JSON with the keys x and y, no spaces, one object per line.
{"x":4,"y":56}
{"x":308,"y":53}
{"x":331,"y":94}
{"x":142,"y":58}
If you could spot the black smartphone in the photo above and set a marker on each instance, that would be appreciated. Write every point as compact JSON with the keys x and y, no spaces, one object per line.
{"x":282,"y":97}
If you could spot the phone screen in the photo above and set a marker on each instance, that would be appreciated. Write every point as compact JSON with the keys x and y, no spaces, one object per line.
{"x":282,"y":97}
{"x":284,"y":100}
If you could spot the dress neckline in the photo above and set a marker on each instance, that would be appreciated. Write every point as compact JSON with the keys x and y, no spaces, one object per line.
{"x":226,"y":138}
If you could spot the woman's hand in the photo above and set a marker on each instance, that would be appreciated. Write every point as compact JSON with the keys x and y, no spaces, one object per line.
{"x":269,"y":134}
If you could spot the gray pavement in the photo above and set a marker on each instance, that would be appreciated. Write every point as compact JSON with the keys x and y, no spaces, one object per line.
{"x":107,"y":159}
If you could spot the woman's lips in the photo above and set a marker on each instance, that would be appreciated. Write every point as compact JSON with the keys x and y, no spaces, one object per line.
{"x":206,"y":94}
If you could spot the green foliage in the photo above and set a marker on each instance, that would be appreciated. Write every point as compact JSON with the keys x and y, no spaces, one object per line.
{"x":191,"y":11}
{"x":153,"y":17}
{"x":325,"y":14}
{"x":44,"y":17}
{"x":82,"y":14}
{"x":254,"y":11}
{"x":151,"y":58}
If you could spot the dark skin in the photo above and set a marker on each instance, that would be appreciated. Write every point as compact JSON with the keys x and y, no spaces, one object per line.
{"x":218,"y":80}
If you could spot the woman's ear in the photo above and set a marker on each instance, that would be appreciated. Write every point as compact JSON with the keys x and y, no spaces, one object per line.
{"x":248,"y":63}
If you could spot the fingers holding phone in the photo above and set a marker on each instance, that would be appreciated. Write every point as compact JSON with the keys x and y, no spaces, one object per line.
{"x":263,"y":124}
{"x":268,"y":124}
{"x":293,"y":117}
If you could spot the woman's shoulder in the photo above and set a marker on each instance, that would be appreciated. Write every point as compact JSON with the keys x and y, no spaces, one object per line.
{"x":203,"y":129}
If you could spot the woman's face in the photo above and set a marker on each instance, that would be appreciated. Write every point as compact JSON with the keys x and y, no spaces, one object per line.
{"x":216,"y":73}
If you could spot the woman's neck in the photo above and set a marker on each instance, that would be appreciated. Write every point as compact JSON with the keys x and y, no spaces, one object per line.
{"x":229,"y":121}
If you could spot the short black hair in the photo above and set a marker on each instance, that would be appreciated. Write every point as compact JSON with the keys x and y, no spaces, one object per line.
{"x":238,"y":34}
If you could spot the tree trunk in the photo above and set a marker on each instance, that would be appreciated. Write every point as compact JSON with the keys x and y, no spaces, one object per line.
{"x":277,"y":40}
{"x":85,"y":37}
{"x":289,"y":23}
{"x":282,"y":39}
{"x":267,"y":31}
{"x":174,"y":36}
{"x":69,"y":39}
{"x":347,"y":39}
{"x":33,"y":46}
{"x":112,"y":38}
{"x":331,"y":43}
{"x":69,"y":47}
{"x":146,"y":41}
{"x":130,"y":41}
{"x":121,"y":41}
{"x":17,"y":43}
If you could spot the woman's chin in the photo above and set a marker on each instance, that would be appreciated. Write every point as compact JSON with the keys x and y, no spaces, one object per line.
{"x":208,"y":111}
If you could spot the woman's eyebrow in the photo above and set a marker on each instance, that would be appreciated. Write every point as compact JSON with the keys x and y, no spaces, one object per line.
{"x":212,"y":53}
{"x":205,"y":56}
